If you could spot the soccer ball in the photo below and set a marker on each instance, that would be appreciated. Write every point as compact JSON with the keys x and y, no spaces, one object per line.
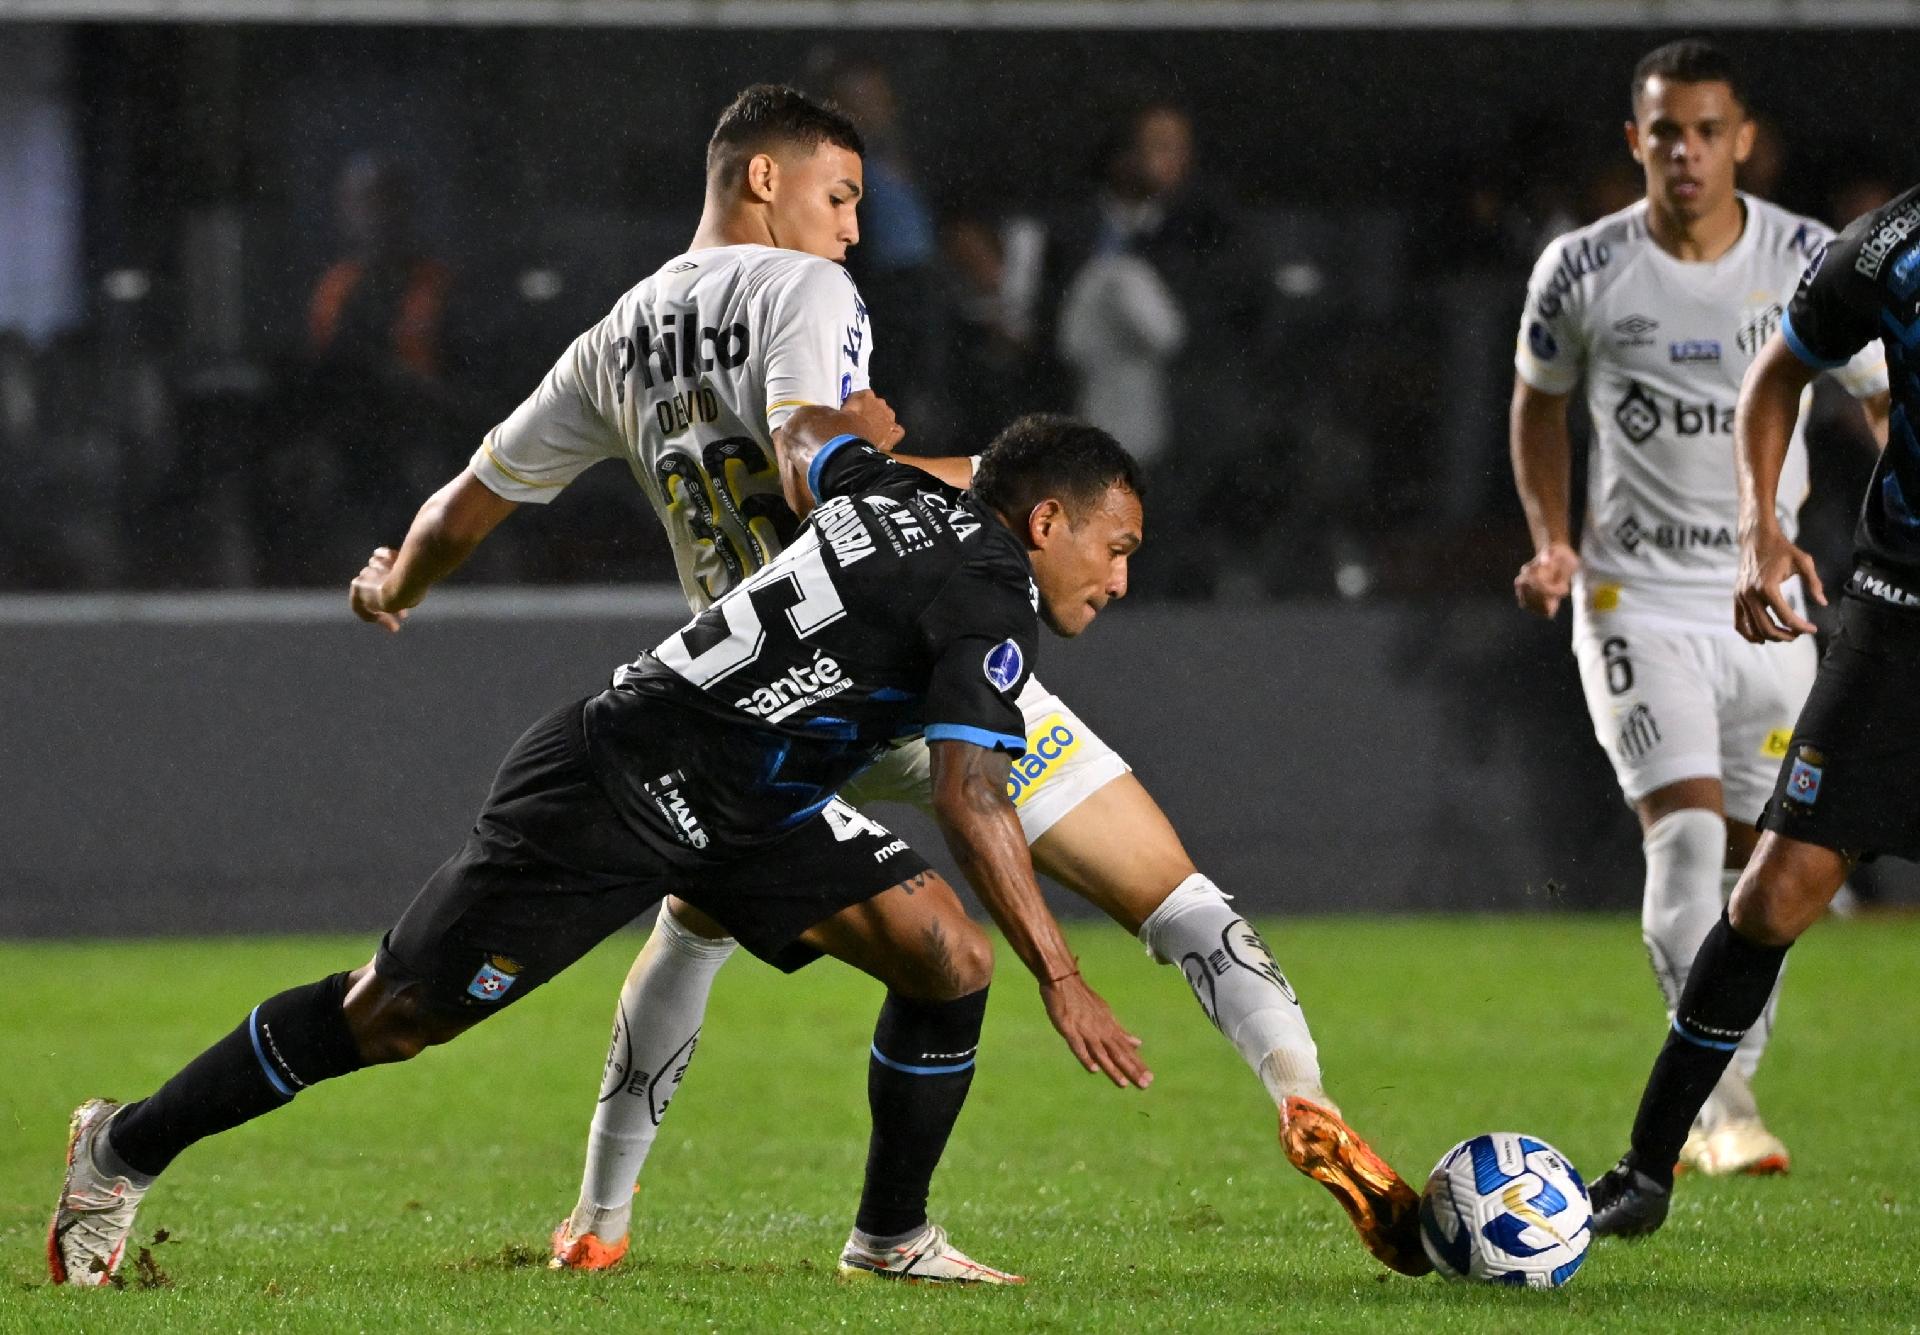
{"x":1507,"y":1209}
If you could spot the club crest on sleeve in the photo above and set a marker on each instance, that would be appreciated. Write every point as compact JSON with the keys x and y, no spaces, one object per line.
{"x":1003,"y":664}
{"x":496,"y":976}
{"x":1803,"y":780}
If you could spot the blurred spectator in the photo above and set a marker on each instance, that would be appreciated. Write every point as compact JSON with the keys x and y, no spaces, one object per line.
{"x":1161,"y":294}
{"x":374,"y":422}
{"x":1764,"y":172}
{"x":995,"y":371}
{"x":382,"y":304}
{"x":896,"y":258}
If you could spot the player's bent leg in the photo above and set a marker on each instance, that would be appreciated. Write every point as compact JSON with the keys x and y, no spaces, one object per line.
{"x":1689,"y":845}
{"x":936,"y":963}
{"x":287,"y":1043}
{"x":656,"y":1027}
{"x":1118,"y":850}
{"x":1785,"y":889}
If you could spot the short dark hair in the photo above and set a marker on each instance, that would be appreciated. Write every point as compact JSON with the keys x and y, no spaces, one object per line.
{"x":1687,"y":61}
{"x":1046,"y":455}
{"x":771,"y":115}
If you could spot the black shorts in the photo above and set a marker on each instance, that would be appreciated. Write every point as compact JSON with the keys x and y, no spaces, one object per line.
{"x":1847,"y":782}
{"x":550,"y":871}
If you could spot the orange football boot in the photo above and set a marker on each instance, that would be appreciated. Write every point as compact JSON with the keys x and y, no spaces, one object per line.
{"x":1384,"y":1209}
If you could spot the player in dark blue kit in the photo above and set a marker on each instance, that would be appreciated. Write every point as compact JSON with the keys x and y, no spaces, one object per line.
{"x":708,"y":769}
{"x":1845,"y":790}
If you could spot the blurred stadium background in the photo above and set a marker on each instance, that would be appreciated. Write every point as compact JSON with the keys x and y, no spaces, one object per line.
{"x":208,"y":415}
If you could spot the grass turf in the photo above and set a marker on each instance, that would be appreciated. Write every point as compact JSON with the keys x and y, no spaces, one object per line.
{"x":419,"y":1197}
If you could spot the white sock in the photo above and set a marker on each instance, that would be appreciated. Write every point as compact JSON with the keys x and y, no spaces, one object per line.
{"x":1239,"y":985}
{"x":655,"y":1030}
{"x":1687,"y":887}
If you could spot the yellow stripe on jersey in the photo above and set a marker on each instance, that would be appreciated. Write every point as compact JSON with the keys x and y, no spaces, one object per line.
{"x":790,"y":403}
{"x":486,"y":447}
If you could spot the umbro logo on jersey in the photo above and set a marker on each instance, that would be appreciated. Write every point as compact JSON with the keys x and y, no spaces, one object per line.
{"x":1633,"y":330}
{"x":685,"y":266}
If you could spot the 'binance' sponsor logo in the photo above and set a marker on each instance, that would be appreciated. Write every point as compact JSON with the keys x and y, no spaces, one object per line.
{"x":1048,"y":747}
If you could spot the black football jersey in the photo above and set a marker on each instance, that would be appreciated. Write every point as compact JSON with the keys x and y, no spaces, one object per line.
{"x":1866,"y":285}
{"x":902,"y":608}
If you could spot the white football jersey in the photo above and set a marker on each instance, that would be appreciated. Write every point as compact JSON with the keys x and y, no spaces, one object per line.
{"x":686,"y":379}
{"x":1663,"y":344}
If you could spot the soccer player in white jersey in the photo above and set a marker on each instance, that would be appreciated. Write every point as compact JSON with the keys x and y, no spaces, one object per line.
{"x":685,"y":380}
{"x":1660,"y":308}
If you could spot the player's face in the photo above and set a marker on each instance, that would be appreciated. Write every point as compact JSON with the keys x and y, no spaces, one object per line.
{"x":1689,"y":138}
{"x":1080,"y":568}
{"x":812,"y":200}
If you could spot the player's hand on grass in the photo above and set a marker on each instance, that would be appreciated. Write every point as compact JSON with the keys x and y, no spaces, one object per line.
{"x":1093,"y":1033}
{"x":1761,"y":611}
{"x":367,"y":593}
{"x":877,"y":422}
{"x":1546,"y":579}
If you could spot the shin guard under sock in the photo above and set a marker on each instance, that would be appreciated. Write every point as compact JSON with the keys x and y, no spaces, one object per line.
{"x":1727,"y":990}
{"x":917,"y":1080}
{"x":286,"y":1043}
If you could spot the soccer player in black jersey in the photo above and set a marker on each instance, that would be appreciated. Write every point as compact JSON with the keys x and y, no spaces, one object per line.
{"x":709,"y":767}
{"x":1845,"y":790}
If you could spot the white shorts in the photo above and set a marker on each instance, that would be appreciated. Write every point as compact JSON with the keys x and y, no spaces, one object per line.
{"x":1065,"y":764}
{"x":1670,"y":705}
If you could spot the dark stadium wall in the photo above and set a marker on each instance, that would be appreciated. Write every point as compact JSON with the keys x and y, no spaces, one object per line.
{"x":269,"y":776}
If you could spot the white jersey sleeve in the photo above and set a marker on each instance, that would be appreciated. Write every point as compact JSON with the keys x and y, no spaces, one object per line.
{"x":557,"y":433}
{"x":1552,"y":349}
{"x":821,"y":347}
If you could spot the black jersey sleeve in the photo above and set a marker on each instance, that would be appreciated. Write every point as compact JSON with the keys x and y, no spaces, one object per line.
{"x":1835,"y":310}
{"x":848,"y":466}
{"x":980,"y":633}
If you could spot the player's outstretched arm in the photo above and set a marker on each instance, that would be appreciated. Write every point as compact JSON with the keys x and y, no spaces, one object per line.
{"x":1542,"y":474}
{"x":970,"y":803}
{"x":1762,"y":429}
{"x":450,"y":525}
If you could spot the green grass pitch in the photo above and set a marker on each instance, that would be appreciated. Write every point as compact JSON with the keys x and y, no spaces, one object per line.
{"x":419,"y":1197}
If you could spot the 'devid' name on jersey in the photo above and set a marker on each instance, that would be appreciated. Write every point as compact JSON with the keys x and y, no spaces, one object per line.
{"x":1863,"y":288}
{"x":686,"y":379}
{"x":902,"y":608}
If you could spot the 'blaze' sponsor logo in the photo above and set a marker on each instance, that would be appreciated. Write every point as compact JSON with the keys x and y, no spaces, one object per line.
{"x":1048,"y":747}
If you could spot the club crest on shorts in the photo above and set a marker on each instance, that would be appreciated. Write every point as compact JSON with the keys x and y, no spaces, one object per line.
{"x":1003,"y":665}
{"x":1803,"y":780}
{"x":496,"y":976}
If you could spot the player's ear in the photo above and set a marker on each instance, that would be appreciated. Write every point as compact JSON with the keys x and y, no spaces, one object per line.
{"x":1743,"y":138}
{"x":763,"y":176}
{"x":1045,"y":522}
{"x":1633,"y":141}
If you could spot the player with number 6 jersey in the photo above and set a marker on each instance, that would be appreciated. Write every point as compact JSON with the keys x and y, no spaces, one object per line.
{"x":686,"y":380}
{"x":1659,"y":309}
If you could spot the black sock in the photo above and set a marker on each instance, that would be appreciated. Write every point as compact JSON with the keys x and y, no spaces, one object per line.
{"x":288,"y":1042}
{"x":917,"y":1079}
{"x":1726,"y":991}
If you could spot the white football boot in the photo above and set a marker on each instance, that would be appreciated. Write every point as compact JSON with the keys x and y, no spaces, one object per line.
{"x":925,"y":1258}
{"x":1744,"y":1146}
{"x":90,"y":1224}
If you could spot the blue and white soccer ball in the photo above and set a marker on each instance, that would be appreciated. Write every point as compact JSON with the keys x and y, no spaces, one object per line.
{"x":1507,"y":1209}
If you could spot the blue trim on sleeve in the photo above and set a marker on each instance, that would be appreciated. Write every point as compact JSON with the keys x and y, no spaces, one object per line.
{"x":960,"y":732}
{"x":253,"y":1032}
{"x":1700,"y":1042}
{"x":1802,"y":351}
{"x":893,"y":1065}
{"x":820,"y":461}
